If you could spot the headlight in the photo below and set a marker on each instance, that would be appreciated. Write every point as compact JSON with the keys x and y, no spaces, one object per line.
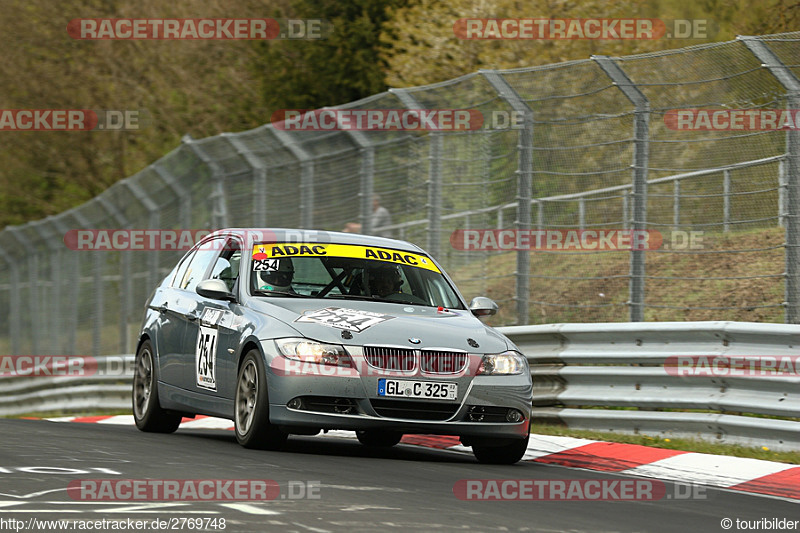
{"x":505,"y":363}
{"x":309,"y":351}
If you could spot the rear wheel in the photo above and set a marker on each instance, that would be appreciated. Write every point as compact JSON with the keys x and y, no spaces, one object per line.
{"x":147,"y":413}
{"x":378,"y":438}
{"x":251,"y":423}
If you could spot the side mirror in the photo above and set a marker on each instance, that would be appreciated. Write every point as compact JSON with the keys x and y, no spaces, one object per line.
{"x":214,"y":289}
{"x":482,"y":306}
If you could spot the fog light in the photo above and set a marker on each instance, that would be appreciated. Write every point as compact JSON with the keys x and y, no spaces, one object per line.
{"x":477,"y":413}
{"x":514,"y":416}
{"x":295,"y":403}
{"x":343,"y":406}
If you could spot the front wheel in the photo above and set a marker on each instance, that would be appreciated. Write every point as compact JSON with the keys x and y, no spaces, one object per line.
{"x":147,"y":413}
{"x":378,"y":438}
{"x":251,"y":423}
{"x":506,"y":454}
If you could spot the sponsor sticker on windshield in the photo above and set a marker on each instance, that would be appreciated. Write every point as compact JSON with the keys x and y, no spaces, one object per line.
{"x":343,"y":318}
{"x":264,"y":252}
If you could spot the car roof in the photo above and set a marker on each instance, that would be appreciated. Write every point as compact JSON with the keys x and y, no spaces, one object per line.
{"x":302,"y":236}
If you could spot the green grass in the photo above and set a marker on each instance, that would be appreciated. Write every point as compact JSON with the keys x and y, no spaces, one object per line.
{"x":688,"y":445}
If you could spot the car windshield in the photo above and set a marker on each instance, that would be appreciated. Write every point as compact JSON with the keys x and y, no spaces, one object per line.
{"x":349,"y":272}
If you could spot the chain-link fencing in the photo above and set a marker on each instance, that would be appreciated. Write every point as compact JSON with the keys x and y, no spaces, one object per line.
{"x":596,"y":149}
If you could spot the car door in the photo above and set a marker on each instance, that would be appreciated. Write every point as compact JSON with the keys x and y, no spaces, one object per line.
{"x":171,"y":305}
{"x":211,"y":340}
{"x":186,"y":309}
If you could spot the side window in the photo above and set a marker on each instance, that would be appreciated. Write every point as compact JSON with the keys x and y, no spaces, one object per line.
{"x":226,"y":267}
{"x":180,"y":273}
{"x":199,"y":265}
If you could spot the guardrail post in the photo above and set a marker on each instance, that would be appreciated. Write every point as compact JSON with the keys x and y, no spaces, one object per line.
{"x":640,"y":165}
{"x":524,"y":185}
{"x":219,"y":205}
{"x":789,"y":81}
{"x":14,"y":325}
{"x":434,"y":207}
{"x":259,"y":170}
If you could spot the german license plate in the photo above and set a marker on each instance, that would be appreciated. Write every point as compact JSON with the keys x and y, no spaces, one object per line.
{"x":429,"y":390}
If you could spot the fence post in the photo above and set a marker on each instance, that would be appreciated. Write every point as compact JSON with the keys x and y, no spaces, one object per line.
{"x":306,"y":176}
{"x":259,"y":170}
{"x":626,"y":198}
{"x":184,"y":196}
{"x":789,"y":81}
{"x":13,"y":302}
{"x":154,"y":223}
{"x":434,"y":207}
{"x":782,"y":194}
{"x":50,"y":301}
{"x":726,"y":201}
{"x":676,"y":205}
{"x":74,"y":298}
{"x":219,"y":205}
{"x":640,"y":165}
{"x":366,"y":186}
{"x":97,"y":266}
{"x":524,"y":184}
{"x":58,"y":266}
{"x":581,"y":213}
{"x":33,"y":292}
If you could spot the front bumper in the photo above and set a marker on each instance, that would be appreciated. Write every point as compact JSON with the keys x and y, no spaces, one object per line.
{"x":497,"y":393}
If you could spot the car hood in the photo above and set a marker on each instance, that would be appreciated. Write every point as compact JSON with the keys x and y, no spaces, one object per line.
{"x":384,"y":324}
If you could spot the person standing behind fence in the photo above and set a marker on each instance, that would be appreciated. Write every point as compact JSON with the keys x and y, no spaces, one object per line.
{"x":380,"y":218}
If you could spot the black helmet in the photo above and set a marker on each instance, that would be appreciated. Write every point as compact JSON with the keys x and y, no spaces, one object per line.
{"x":277,"y":280}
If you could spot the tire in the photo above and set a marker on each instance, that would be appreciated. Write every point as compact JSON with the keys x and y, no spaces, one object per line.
{"x":147,"y":412}
{"x":378,"y":438}
{"x":251,"y":407}
{"x":506,"y":454}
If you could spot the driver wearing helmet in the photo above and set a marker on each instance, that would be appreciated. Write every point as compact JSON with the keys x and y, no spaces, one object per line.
{"x":384,"y":280}
{"x":277,"y":280}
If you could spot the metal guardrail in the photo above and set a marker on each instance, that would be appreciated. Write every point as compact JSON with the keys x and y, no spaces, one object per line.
{"x":614,"y":377}
{"x":107,"y":386}
{"x":603,"y":377}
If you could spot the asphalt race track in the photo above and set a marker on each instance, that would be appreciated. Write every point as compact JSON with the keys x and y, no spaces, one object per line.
{"x":405,"y":488}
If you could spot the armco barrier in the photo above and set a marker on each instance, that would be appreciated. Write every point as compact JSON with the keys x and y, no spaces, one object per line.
{"x":613,"y":377}
{"x":605,"y":377}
